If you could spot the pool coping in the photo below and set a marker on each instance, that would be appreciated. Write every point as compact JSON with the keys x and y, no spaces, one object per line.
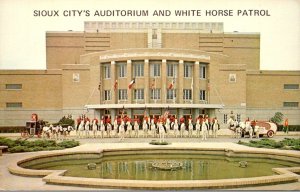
{"x":56,"y":176}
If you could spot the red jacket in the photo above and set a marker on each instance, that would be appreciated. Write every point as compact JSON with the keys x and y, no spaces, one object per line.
{"x":181,"y":120}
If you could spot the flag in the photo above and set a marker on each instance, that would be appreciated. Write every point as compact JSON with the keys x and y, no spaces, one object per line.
{"x":99,"y":86}
{"x":166,"y":114}
{"x":116,"y":85}
{"x":171,"y":84}
{"x":131,"y":84}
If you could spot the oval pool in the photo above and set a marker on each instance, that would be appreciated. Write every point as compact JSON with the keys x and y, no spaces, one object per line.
{"x":141,"y":166}
{"x":165,"y":168}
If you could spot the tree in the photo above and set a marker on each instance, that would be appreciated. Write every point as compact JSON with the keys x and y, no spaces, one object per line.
{"x":66,"y":121}
{"x":277,"y":118}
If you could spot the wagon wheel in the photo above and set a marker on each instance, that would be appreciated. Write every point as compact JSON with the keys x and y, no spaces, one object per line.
{"x":270,"y":133}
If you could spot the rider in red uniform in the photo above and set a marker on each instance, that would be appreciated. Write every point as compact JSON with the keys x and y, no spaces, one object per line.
{"x":181,"y":120}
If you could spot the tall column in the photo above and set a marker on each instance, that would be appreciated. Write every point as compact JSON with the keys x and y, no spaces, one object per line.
{"x":129,"y":78}
{"x":196,"y":82}
{"x":100,"y":85}
{"x":180,"y":81}
{"x":113,"y":80}
{"x":146,"y":75}
{"x":163,"y":81}
{"x":112,"y":115}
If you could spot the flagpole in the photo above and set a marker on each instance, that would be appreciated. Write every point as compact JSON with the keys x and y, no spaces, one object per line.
{"x":192,"y":88}
{"x":135,"y":92}
{"x":155,"y":95}
{"x":174,"y":84}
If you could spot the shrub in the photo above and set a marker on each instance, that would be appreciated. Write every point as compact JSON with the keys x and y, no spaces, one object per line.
{"x":66,"y":121}
{"x":277,"y":118}
{"x":286,"y":143}
{"x":7,"y":142}
{"x":154,"y":142}
{"x":18,"y":149}
{"x":68,"y":144}
{"x":14,"y":129}
{"x":291,"y":128}
{"x":22,"y":145}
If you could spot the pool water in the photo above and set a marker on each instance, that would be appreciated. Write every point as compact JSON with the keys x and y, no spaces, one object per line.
{"x":138,"y":166}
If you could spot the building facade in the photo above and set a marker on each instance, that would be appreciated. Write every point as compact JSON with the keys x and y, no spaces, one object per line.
{"x":185,"y":68}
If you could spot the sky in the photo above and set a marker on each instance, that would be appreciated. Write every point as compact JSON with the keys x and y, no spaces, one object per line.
{"x":23,"y":43}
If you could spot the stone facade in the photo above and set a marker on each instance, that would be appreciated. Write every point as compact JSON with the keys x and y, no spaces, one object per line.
{"x":214,"y":72}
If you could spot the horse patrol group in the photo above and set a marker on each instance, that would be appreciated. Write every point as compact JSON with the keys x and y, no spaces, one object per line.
{"x":164,"y":126}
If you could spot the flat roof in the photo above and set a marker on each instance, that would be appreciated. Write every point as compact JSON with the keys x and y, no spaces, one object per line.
{"x":154,"y":105}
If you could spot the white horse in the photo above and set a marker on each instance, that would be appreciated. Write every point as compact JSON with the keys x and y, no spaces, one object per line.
{"x":190,"y":128}
{"x":129,"y":128}
{"x":66,"y":131}
{"x":204,"y":129}
{"x":57,"y":132}
{"x":46,"y":131}
{"x":109,"y":129}
{"x":122,"y":131}
{"x":102,"y":129}
{"x":168,"y":127}
{"x":153,"y":128}
{"x":215,"y":127}
{"x":198,"y":128}
{"x":136,"y":129}
{"x":176,"y":128}
{"x":145,"y":129}
{"x":161,"y":131}
{"x":80,"y":129}
{"x":249,"y":129}
{"x":116,"y":127}
{"x":95,"y":128}
{"x":87,"y":129}
{"x":182,"y":129}
{"x":232,"y":126}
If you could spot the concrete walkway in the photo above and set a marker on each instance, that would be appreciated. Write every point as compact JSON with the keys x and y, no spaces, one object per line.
{"x":13,"y":182}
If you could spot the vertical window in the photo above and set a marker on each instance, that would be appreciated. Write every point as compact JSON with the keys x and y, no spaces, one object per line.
{"x":13,"y":86}
{"x":171,"y":70}
{"x":122,"y":70}
{"x":107,"y":71}
{"x":14,"y":105}
{"x":202,"y":95}
{"x":238,"y":117}
{"x":187,"y":94}
{"x":154,"y":33}
{"x":187,"y":70}
{"x":225,"y":118}
{"x":138,"y":70}
{"x":155,"y":93}
{"x":155,"y":70}
{"x":171,"y":93}
{"x":122,"y":94}
{"x":202,"y":72}
{"x":139,"y":94}
{"x":107,"y":95}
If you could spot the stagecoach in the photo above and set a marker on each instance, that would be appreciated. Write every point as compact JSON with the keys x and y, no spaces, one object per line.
{"x":263,"y":128}
{"x":33,"y":127}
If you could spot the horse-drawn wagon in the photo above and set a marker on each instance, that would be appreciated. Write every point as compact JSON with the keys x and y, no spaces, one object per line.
{"x":262,"y":128}
{"x":33,"y":127}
